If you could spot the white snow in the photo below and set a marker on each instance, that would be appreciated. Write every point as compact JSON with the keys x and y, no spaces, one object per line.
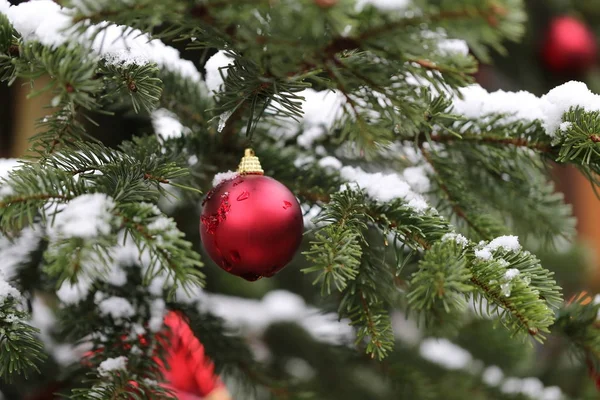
{"x":215,"y":67}
{"x":445,"y":353}
{"x":161,"y":224}
{"x":384,"y":187}
{"x":446,"y":46}
{"x":418,"y":204}
{"x":157,"y":314}
{"x":17,"y":251}
{"x":42,"y":318}
{"x":112,"y":364}
{"x":6,"y":291}
{"x":453,"y":46}
{"x":252,"y":317}
{"x":4,"y":5}
{"x":47,"y":22}
{"x":453,"y":357}
{"x":303,"y":160}
{"x":508,"y":243}
{"x":417,"y":178}
{"x":478,"y":103}
{"x":405,"y":329}
{"x":320,"y":112}
{"x":532,"y":387}
{"x":552,"y":393}
{"x":224,"y":176}
{"x":511,"y":385}
{"x":283,"y":305}
{"x":86,"y":216}
{"x":483,"y":254}
{"x":7,"y":164}
{"x":511,"y":274}
{"x":118,"y":308}
{"x":166,"y":124}
{"x":492,"y":375}
{"x":330,"y":162}
{"x":524,"y":106}
{"x":456,"y":237}
{"x":116,"y":275}
{"x":309,"y":213}
{"x":70,"y":294}
{"x":384,"y":5}
{"x":565,"y":126}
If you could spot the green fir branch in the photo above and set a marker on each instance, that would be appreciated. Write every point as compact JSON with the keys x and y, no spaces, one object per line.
{"x":21,"y":351}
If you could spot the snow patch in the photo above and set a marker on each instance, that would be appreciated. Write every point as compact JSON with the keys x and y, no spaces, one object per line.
{"x":511,"y":274}
{"x":216,"y":70}
{"x":7,"y":291}
{"x":224,"y":176}
{"x":86,"y":216}
{"x":18,"y":251}
{"x":73,"y":293}
{"x":492,"y":376}
{"x":167,"y":125}
{"x":330,"y":162}
{"x":7,"y":165}
{"x":457,"y":238}
{"x":445,"y":353}
{"x":48,"y":23}
{"x":157,"y":314}
{"x":118,"y":308}
{"x":320,"y":110}
{"x":507,"y":243}
{"x":549,"y":109}
{"x":417,"y":178}
{"x":384,"y":5}
{"x":483,"y":254}
{"x":453,"y":46}
{"x":112,"y":364}
{"x":384,"y":187}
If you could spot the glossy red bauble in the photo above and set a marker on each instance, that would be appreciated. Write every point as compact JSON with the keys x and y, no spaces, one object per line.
{"x":251,"y":226}
{"x":570,"y":46}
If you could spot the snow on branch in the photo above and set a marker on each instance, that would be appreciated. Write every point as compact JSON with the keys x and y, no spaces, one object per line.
{"x":46,"y":22}
{"x":453,"y":357}
{"x":254,"y":316}
{"x":167,"y":125}
{"x":7,"y":165}
{"x":477,"y":103}
{"x":17,"y":252}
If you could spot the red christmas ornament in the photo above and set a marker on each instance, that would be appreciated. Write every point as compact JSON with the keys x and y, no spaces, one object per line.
{"x":191,"y":374}
{"x":570,"y":46}
{"x":251,"y":225}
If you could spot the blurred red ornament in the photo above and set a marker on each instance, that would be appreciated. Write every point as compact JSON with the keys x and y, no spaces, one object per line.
{"x":251,"y":225}
{"x":326,"y":3}
{"x":570,"y":46}
{"x":191,"y":374}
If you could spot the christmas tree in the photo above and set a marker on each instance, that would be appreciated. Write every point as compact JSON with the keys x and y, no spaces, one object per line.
{"x":419,"y":200}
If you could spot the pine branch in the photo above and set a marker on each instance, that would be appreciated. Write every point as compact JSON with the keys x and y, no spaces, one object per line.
{"x":20,"y":349}
{"x":439,"y":288}
{"x":493,"y":140}
{"x":453,"y":201}
{"x":577,"y":320}
{"x":336,"y":251}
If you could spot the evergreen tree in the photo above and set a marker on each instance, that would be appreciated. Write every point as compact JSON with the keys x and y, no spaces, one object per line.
{"x":426,"y":199}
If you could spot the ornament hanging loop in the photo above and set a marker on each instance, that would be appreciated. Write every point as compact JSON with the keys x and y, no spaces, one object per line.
{"x":250,"y":164}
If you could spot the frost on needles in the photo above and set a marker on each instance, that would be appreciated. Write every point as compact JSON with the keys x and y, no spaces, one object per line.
{"x":422,"y":190}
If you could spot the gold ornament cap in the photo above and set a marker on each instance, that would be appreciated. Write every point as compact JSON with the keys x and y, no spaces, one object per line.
{"x":250,"y":164}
